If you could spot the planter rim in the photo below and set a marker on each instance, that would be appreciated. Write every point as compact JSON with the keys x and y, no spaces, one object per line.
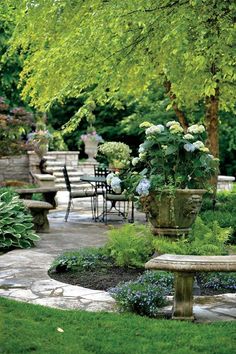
{"x":184,"y":191}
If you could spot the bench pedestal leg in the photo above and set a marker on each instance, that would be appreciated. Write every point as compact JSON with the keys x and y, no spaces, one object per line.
{"x":183,"y":298}
{"x":40,"y":220}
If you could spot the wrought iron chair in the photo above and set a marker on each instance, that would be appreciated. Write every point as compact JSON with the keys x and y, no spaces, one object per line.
{"x":100,"y":187}
{"x":113,"y":203}
{"x":85,"y":192}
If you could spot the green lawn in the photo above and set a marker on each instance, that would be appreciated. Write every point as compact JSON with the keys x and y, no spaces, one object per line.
{"x":28,"y":328}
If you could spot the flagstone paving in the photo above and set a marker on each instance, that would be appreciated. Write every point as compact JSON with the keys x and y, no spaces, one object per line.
{"x":24,"y":277}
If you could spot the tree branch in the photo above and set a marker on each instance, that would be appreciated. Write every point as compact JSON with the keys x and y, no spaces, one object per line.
{"x":180,"y":114}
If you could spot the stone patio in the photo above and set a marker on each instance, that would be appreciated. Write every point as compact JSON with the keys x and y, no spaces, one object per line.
{"x":23,"y":273}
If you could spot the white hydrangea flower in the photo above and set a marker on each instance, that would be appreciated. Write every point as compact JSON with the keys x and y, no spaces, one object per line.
{"x":109,"y":178}
{"x":145,"y":124}
{"x":188,"y":137}
{"x":189,"y":147}
{"x":154,"y":129}
{"x":143,"y":187}
{"x":171,"y":122}
{"x":135,"y":161}
{"x":196,"y":129}
{"x":204,"y":149}
{"x":115,"y":184}
{"x":141,"y":148}
{"x":199,"y":144}
{"x":142,"y":156}
{"x":176,"y":128}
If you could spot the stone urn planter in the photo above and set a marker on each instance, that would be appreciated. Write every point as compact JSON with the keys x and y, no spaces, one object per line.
{"x":173,"y":214}
{"x":91,"y":148}
{"x":40,"y":149}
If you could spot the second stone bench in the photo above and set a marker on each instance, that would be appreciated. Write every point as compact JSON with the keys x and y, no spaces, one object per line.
{"x":184,"y":268}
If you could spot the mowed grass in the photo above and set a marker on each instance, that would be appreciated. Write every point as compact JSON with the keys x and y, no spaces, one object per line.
{"x":26,"y":328}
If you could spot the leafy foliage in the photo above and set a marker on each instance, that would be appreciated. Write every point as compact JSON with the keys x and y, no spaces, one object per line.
{"x":144,"y":47}
{"x":205,"y":239}
{"x":146,"y":295}
{"x":117,"y":153}
{"x":15,"y":222}
{"x":14,"y":125}
{"x":130,"y":246}
{"x":10,"y":63}
{"x":86,"y":258}
{"x":217,"y":281}
{"x":170,"y":157}
{"x":224,"y":212}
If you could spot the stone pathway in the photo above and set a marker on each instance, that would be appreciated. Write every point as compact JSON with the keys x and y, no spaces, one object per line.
{"x":23,"y":273}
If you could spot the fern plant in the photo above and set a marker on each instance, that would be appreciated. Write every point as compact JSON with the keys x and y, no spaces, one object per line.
{"x":130,"y":245}
{"x":205,"y":239}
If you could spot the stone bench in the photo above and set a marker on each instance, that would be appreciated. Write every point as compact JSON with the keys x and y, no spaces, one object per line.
{"x":39,"y":211}
{"x":48,"y":193}
{"x":184,"y":268}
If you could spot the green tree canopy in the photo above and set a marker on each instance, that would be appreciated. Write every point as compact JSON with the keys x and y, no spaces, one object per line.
{"x":114,"y":48}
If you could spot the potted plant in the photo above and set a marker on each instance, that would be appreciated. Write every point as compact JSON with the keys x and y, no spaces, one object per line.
{"x":91,"y":140}
{"x":170,"y":175}
{"x":40,"y":140}
{"x":117,"y":154}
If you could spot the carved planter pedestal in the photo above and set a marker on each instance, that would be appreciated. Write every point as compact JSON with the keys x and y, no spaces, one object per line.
{"x":91,"y":149}
{"x":172,"y":214}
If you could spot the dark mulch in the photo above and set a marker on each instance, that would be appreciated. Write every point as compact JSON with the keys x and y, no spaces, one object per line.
{"x":105,"y":278}
{"x":99,"y":279}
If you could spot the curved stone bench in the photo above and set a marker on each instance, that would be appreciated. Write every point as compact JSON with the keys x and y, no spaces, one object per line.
{"x":39,"y":211}
{"x":185,"y":268}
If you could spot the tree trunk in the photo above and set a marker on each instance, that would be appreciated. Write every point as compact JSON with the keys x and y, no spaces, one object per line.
{"x":180,"y":114}
{"x":212,"y":127}
{"x":212,"y":123}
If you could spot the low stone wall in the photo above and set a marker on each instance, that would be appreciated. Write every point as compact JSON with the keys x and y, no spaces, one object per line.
{"x":19,"y":167}
{"x":70,"y":158}
{"x":225,"y":183}
{"x":14,"y":168}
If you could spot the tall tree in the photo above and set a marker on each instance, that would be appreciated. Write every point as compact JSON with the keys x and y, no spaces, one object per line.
{"x":10,"y":64}
{"x":114,"y":48}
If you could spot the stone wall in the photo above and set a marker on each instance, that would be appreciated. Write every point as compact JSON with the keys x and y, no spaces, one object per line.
{"x":14,"y":168}
{"x":225,"y":183}
{"x":19,"y":167}
{"x":54,"y":158}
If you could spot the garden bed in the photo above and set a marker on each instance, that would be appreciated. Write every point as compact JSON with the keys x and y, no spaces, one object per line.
{"x":99,"y":279}
{"x":105,"y":278}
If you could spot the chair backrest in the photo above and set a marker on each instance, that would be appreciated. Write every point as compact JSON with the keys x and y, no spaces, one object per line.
{"x":100,"y":172}
{"x":67,"y":180}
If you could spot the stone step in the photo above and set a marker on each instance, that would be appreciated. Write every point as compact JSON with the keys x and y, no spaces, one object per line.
{"x":72,"y":179}
{"x":60,"y":168}
{"x":55,"y":163}
{"x":50,"y":158}
{"x":75,"y":187}
{"x":59,"y":174}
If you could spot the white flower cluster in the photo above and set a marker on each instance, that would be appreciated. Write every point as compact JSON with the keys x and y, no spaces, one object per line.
{"x":197,"y":145}
{"x":143,"y":187}
{"x":155,"y":129}
{"x":174,"y":127}
{"x":135,"y":161}
{"x":188,"y":137}
{"x":114,"y":181}
{"x":196,"y":129}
